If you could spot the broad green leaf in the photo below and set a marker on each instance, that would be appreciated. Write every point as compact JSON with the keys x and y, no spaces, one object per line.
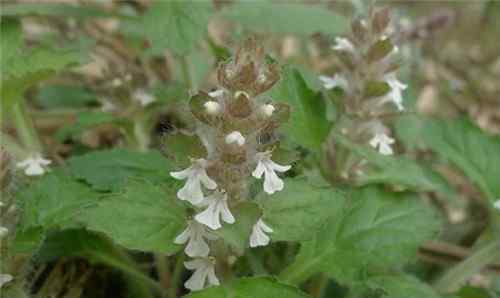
{"x":176,"y":25}
{"x":27,"y":241}
{"x":65,"y":96}
{"x":299,"y":209}
{"x":473,"y":151}
{"x":285,"y":17}
{"x":308,"y":125}
{"x":378,"y":231}
{"x":238,"y":234}
{"x":54,"y":10}
{"x":418,"y":177}
{"x":397,"y":286}
{"x":111,"y":169}
{"x":250,"y":287}
{"x":473,"y":292}
{"x":180,"y":148}
{"x":84,"y":121}
{"x":55,"y":201}
{"x":144,"y":217}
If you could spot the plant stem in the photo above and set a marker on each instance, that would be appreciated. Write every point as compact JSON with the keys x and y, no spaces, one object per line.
{"x":186,"y":73}
{"x":161,"y":262}
{"x":178,"y":269}
{"x":452,"y":279}
{"x":25,"y":128}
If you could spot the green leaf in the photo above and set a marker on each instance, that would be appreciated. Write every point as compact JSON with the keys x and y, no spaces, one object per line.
{"x":250,"y":287}
{"x":27,"y":241}
{"x":65,"y":96}
{"x":144,"y":217}
{"x":379,"y":231}
{"x":286,"y":17}
{"x":110,"y":169}
{"x":376,"y":89}
{"x":470,"y":149}
{"x":418,"y":177}
{"x":299,"y":209}
{"x":55,"y":201}
{"x":379,"y":50}
{"x":308,"y":125}
{"x":84,"y":121}
{"x":54,"y":10}
{"x":238,"y":234}
{"x":397,"y":286}
{"x":176,"y":25}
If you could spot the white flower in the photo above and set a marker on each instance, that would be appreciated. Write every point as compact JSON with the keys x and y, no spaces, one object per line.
{"x":34,"y":165}
{"x":5,"y":278}
{"x":196,"y":175}
{"x":116,"y":82}
{"x":216,"y":93}
{"x":235,"y":137}
{"x":196,"y":235}
{"x":267,"y":109}
{"x":3,"y":232}
{"x":395,"y":94}
{"x":336,"y":81}
{"x":258,"y":236}
{"x":383,"y":142}
{"x":107,"y":105}
{"x":217,"y":209}
{"x":266,"y":166}
{"x":497,"y":204}
{"x":212,"y":107}
{"x":144,"y":98}
{"x":343,"y":44}
{"x":204,"y":272}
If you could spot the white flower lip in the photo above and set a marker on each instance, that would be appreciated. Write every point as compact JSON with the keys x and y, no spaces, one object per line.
{"x":383,"y":143}
{"x":196,"y":235}
{"x":212,"y":107}
{"x":235,"y":137}
{"x":216,"y":93}
{"x":267,"y":109}
{"x":395,"y":95}
{"x":5,"y":278}
{"x":216,"y":210}
{"x":258,"y":236}
{"x":266,"y":166}
{"x":196,"y":175}
{"x":34,"y":165}
{"x":497,"y":204}
{"x":335,"y":81}
{"x":144,"y":98}
{"x":343,"y":44}
{"x":204,"y":273}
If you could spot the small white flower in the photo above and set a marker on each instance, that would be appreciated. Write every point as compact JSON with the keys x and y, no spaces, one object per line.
{"x":212,"y":107}
{"x":266,"y":166}
{"x":34,"y":165}
{"x":217,"y":209}
{"x":258,"y":236}
{"x":107,"y":105}
{"x":204,"y":273}
{"x":216,"y":93}
{"x":3,"y":232}
{"x":5,"y":278}
{"x":117,"y":82}
{"x":383,"y":142}
{"x":343,"y":44}
{"x":142,"y":97}
{"x":497,"y":204}
{"x":196,"y":235}
{"x":336,"y":81}
{"x":267,"y":109}
{"x":196,"y":175}
{"x":395,"y":94}
{"x":235,"y":137}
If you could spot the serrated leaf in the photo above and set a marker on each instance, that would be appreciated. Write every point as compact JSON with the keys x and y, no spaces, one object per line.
{"x":109,"y":170}
{"x":176,"y":25}
{"x":285,"y":17}
{"x":299,"y":209}
{"x":55,"y":201}
{"x":380,"y":231}
{"x":416,"y":176}
{"x":238,"y":234}
{"x":145,"y":217}
{"x":379,"y":50}
{"x":470,"y":149}
{"x":180,"y":148}
{"x":308,"y":125}
{"x":397,"y":286}
{"x":85,"y":121}
{"x":250,"y":287}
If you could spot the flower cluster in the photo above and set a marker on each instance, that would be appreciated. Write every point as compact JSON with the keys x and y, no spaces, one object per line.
{"x":367,"y":76}
{"x":231,"y":124}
